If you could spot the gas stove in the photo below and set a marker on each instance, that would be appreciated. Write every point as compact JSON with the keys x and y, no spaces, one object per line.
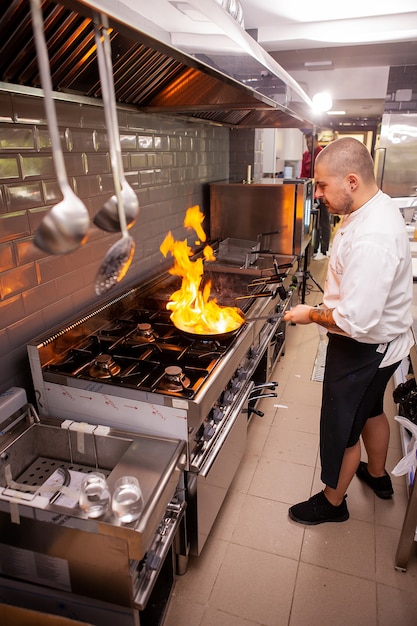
{"x":141,"y":350}
{"x":124,"y":363}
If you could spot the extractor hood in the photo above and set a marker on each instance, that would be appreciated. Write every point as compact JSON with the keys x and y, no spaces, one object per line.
{"x":184,"y":58}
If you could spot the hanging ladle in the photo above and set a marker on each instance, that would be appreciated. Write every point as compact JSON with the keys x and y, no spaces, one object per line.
{"x":119,"y":257}
{"x":65,"y":226}
{"x":107,"y":218}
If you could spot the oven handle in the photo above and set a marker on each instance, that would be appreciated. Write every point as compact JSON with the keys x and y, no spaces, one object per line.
{"x":268,"y":385}
{"x":156,"y":555}
{"x":224,"y":433}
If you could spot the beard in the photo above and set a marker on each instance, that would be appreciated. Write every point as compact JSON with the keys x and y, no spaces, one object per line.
{"x":342,"y":205}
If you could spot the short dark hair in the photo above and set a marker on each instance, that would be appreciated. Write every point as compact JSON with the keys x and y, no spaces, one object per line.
{"x":346,"y":155}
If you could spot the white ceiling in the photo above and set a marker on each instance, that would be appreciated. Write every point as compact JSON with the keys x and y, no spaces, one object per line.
{"x":359,"y":41}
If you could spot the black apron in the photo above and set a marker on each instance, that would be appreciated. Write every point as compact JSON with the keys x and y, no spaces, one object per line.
{"x":350,"y":368}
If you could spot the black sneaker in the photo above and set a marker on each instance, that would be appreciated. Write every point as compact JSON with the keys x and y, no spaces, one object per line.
{"x":381,"y":485}
{"x":318,"y":510}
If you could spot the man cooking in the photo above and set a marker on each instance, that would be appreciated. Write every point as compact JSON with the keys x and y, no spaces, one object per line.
{"x":366,"y":311}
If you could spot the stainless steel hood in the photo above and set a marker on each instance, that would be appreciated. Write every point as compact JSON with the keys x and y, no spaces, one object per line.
{"x":184,"y":58}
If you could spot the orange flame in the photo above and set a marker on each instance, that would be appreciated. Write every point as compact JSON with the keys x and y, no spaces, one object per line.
{"x":192,"y":309}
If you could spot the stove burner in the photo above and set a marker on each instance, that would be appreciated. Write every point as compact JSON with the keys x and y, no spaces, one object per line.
{"x":104,"y":367}
{"x":145,"y":332}
{"x":208,"y":345}
{"x":174,"y":379}
{"x":204,"y":349}
{"x":141,"y":349}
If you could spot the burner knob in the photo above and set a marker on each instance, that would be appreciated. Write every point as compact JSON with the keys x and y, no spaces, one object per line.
{"x":153,"y":561}
{"x":242,"y":374}
{"x":228,"y":397}
{"x":217,"y":414}
{"x":208,"y":431}
{"x":235,"y":383}
{"x":199,"y":447}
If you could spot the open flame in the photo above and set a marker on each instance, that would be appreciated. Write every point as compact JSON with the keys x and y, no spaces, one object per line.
{"x":192,"y":309}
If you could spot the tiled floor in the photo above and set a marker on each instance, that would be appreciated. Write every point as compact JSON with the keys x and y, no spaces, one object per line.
{"x":259,"y":568}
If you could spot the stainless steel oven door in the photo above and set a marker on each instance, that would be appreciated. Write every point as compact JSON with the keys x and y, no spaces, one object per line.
{"x":155,"y":578}
{"x":275,"y":348}
{"x":207,"y":489}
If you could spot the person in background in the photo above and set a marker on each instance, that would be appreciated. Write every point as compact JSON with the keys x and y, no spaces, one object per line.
{"x":367,"y":313}
{"x":307,"y":171}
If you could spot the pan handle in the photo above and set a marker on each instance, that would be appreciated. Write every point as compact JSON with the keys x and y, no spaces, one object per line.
{"x":267,"y":280}
{"x":280,"y":289}
{"x":271,"y":318}
{"x":266,"y":294}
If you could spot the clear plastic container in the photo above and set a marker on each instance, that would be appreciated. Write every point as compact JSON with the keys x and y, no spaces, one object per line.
{"x":127,"y":501}
{"x":94,"y":495}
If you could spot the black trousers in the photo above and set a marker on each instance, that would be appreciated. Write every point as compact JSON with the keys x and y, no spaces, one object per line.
{"x":352,"y":387}
{"x":324,"y":229}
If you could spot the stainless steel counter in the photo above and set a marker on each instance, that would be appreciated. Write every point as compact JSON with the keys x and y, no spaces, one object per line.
{"x":155,"y":462}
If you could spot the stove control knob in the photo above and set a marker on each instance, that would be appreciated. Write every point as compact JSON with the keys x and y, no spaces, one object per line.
{"x":217,"y":414}
{"x":153,"y":560}
{"x":242,"y":373}
{"x":227,"y":397}
{"x":235,"y":383}
{"x":208,"y":431}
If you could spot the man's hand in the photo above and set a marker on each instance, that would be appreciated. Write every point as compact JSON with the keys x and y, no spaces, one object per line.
{"x":300,"y":314}
{"x":305,"y":314}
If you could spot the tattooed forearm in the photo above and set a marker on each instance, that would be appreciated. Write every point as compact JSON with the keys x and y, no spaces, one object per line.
{"x":324,"y":317}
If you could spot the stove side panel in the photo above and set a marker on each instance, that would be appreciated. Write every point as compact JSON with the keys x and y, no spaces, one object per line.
{"x":147,"y":418}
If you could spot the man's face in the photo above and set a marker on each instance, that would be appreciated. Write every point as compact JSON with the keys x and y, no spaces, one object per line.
{"x":333,"y":191}
{"x":309,"y":143}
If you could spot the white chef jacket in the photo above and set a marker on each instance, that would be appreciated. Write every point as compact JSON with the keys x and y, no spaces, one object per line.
{"x":369,"y":279}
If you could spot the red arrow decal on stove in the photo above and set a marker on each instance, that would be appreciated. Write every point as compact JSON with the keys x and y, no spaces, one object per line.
{"x":110,"y":402}
{"x":86,"y":397}
{"x":155,"y":411}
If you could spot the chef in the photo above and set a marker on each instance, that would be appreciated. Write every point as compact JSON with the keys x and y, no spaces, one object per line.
{"x":367,"y":313}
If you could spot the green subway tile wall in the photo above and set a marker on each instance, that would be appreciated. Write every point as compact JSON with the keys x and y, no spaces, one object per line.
{"x":168,"y":162}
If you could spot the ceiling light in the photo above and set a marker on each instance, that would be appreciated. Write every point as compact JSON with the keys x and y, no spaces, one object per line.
{"x":336,"y":112}
{"x":318,"y":65}
{"x":322,"y":102}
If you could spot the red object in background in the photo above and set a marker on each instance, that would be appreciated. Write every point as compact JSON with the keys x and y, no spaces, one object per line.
{"x":306,"y":170}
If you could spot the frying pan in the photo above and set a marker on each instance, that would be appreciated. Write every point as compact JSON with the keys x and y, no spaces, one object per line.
{"x":228,"y":334}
